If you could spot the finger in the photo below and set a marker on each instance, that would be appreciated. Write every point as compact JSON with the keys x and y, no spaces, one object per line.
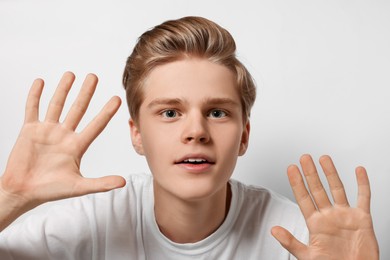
{"x":58,"y":100}
{"x":313,"y":181}
{"x":32,"y":104}
{"x":96,"y":126}
{"x":94,"y":185}
{"x":81,"y":103}
{"x":336,"y":186}
{"x":300,"y":192}
{"x":289,"y":242}
{"x":364,"y":191}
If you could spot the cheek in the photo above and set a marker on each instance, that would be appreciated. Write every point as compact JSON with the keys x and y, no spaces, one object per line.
{"x":229,"y":140}
{"x":154,"y":156}
{"x":157,"y":142}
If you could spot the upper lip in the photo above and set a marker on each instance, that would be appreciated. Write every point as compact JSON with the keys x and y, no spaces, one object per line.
{"x":208,"y":159}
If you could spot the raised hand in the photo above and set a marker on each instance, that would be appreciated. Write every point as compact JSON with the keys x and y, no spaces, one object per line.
{"x":44,"y":164}
{"x":336,"y":231}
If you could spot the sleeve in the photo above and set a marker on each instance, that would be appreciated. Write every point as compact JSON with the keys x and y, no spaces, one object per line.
{"x":63,"y":232}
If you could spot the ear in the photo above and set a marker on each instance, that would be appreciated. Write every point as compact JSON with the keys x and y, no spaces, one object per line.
{"x":244,"y":139}
{"x":136,"y":138}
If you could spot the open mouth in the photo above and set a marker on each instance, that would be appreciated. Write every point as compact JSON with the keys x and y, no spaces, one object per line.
{"x":194,"y":161}
{"x":195,"y":165}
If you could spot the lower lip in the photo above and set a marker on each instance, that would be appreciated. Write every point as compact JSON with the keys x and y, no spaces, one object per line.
{"x":195,"y":168}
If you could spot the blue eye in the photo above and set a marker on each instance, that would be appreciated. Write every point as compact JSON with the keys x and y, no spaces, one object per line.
{"x":169,"y":113}
{"x":217,"y":113}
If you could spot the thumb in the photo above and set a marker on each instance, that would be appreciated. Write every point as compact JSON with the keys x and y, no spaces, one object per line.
{"x":95,"y":185}
{"x":289,"y":242}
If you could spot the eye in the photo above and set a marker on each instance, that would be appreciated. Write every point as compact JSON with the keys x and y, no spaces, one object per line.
{"x":170,"y":113}
{"x":217,"y":113}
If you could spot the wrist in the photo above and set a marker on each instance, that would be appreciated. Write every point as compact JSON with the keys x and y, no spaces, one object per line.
{"x":11,"y":207}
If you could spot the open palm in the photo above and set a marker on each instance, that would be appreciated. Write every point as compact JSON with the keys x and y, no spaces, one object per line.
{"x":44,"y":164}
{"x":336,"y":231}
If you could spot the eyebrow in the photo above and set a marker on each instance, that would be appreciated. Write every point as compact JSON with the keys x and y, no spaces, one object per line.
{"x":178,"y":101}
{"x":165,"y":101}
{"x":221,"y":101}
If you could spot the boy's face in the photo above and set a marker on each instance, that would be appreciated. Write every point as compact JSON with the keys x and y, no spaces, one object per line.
{"x":190,"y":128}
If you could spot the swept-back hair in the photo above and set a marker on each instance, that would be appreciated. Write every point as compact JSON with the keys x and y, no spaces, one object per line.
{"x":177,"y":39}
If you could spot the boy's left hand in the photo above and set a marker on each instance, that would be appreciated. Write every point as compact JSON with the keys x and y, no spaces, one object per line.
{"x":336,"y":231}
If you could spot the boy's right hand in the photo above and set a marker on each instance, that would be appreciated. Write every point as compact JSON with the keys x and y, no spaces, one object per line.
{"x":44,"y":164}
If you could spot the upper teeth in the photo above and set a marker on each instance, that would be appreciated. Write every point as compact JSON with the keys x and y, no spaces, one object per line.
{"x":194,"y":160}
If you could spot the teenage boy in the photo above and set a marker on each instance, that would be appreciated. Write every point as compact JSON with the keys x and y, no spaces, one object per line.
{"x":189,"y":99}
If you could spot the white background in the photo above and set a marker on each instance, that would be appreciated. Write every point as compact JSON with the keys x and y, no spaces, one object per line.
{"x":322,"y":69}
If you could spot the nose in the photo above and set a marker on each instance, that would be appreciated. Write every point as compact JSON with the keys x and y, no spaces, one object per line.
{"x":195,"y":129}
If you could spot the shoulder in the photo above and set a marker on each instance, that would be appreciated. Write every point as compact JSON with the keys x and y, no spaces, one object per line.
{"x":260,"y":196}
{"x":139,"y":180}
{"x":265,"y":208}
{"x":136,"y":185}
{"x":119,"y":201}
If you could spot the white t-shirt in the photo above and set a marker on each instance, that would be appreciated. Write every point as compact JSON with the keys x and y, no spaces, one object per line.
{"x":120,"y":224}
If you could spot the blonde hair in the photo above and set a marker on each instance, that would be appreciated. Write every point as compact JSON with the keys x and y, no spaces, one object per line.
{"x":177,"y":39}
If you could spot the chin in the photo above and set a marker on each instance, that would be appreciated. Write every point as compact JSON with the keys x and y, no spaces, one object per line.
{"x":193,"y":191}
{"x":190,"y":187}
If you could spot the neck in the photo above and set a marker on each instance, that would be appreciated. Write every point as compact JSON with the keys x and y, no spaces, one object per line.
{"x":191,"y":221}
